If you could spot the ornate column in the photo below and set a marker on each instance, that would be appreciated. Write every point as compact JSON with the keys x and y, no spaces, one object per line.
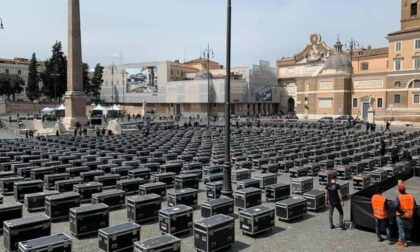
{"x":74,"y":98}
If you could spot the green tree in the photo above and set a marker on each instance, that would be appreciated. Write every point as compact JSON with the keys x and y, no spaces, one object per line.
{"x":32,"y":90}
{"x":96,"y":82}
{"x":54,"y":77}
{"x":5,"y":85}
{"x":17,"y":85}
{"x":10,"y":85}
{"x":86,"y":80}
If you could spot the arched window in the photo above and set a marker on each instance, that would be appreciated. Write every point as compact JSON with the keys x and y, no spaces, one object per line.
{"x":413,"y":9}
{"x":414,"y":84}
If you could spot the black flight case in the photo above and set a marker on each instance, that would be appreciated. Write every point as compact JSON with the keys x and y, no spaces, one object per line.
{"x":67,"y":185}
{"x":222,"y":205}
{"x":57,"y":206}
{"x":10,"y":211}
{"x":163,"y":243}
{"x":143,"y":208}
{"x":186,"y":181}
{"x":257,"y":219}
{"x":247,"y":197}
{"x":214,"y":233}
{"x":158,"y":188}
{"x":113,"y":198}
{"x":277,"y":192}
{"x":21,"y":188}
{"x":130,"y":186}
{"x":187,"y":196}
{"x":214,"y":189}
{"x":315,"y":199}
{"x":87,"y":220}
{"x":86,"y":190}
{"x":23,"y":229}
{"x":176,"y":220}
{"x":54,"y":243}
{"x":119,"y":238}
{"x":36,"y":201}
{"x":291,"y":208}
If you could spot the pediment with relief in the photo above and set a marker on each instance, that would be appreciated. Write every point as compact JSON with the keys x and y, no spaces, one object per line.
{"x":315,"y":50}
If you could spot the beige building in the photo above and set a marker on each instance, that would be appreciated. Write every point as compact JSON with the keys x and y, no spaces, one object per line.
{"x":18,"y":66}
{"x":175,"y":88}
{"x":322,"y":81}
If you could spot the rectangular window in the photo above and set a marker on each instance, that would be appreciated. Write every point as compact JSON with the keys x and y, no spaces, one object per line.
{"x":7,"y":71}
{"x":416,"y":99}
{"x":397,"y":99}
{"x":379,"y":103}
{"x":397,"y":65}
{"x":413,"y":9}
{"x":354,"y":102}
{"x":398,"y":46}
{"x":365,"y":66}
{"x":416,"y":84}
{"x":19,"y":71}
{"x":417,"y":45}
{"x":325,"y":103}
{"x":417,"y":63}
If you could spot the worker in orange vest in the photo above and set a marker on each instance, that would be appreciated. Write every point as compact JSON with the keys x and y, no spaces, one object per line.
{"x":405,"y":205}
{"x":380,"y":212}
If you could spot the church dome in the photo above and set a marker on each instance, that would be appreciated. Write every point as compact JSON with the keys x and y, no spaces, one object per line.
{"x":338,"y":61}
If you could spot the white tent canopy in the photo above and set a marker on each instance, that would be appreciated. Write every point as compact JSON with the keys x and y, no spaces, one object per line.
{"x":115,"y":107}
{"x":61,"y":107}
{"x":99,"y":107}
{"x":47,"y":110}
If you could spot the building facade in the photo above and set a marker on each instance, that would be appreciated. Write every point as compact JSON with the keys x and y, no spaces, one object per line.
{"x":175,"y":88}
{"x":320,"y":80}
{"x":17,"y":66}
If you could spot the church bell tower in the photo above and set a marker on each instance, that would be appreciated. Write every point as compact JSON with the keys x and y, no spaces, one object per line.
{"x":410,"y":14}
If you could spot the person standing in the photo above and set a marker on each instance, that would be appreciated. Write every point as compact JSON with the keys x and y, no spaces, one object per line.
{"x":367,"y":127}
{"x":380,"y":212}
{"x":405,"y":205}
{"x":334,"y":199}
{"x":394,"y":154}
{"x":387,"y":126}
{"x":383,"y":147}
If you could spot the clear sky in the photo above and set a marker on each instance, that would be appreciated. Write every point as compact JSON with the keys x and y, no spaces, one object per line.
{"x":157,"y":30}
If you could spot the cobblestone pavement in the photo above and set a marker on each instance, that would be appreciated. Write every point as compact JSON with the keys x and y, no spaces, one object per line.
{"x":311,"y":233}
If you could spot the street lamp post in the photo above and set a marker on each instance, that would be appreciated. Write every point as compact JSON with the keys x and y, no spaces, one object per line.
{"x":207,"y":53}
{"x":227,"y":181}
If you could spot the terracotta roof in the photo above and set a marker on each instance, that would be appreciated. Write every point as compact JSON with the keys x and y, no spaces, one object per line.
{"x":182,"y":65}
{"x":199,"y":60}
{"x":404,"y":31}
{"x":370,"y":52}
{"x":17,"y":61}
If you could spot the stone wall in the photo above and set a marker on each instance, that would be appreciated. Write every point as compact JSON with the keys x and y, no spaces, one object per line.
{"x":28,"y":107}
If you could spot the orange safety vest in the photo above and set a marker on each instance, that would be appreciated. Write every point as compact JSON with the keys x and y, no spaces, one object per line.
{"x":406,"y":205}
{"x":378,"y":205}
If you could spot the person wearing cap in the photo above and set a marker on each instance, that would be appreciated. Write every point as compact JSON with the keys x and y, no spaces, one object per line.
{"x":405,"y":208}
{"x":380,"y":212}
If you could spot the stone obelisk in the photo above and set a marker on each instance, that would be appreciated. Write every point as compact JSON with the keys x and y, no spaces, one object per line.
{"x":74,"y":99}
